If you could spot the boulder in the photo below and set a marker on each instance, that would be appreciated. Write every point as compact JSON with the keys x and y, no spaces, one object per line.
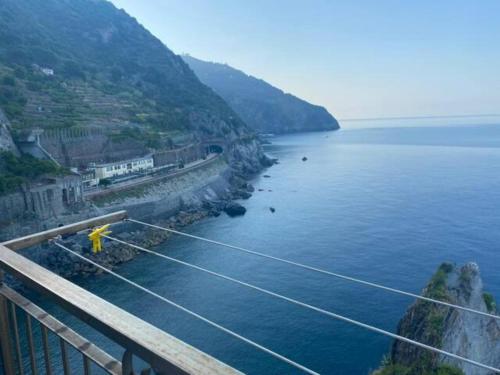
{"x":235,"y":209}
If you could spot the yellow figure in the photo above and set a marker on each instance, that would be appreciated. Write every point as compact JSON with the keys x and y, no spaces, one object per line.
{"x":95,"y":237}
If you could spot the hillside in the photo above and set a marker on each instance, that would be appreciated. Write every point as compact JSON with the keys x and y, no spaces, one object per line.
{"x":265,"y":108}
{"x":84,"y":63}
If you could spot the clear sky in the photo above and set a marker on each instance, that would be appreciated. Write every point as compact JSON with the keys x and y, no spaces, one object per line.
{"x":358,"y":58}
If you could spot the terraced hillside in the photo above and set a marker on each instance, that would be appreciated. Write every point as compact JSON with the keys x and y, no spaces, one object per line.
{"x":79,"y":63}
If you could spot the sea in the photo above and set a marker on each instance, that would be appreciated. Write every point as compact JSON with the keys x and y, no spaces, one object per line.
{"x":386,"y":201}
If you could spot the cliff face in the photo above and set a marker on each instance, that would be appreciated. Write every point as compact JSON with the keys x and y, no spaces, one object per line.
{"x":6,"y":142}
{"x":265,"y":108}
{"x":459,"y":332}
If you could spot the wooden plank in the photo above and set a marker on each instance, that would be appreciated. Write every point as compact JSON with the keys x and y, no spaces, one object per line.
{"x":37,"y":238}
{"x":5,"y":339}
{"x":101,"y":358}
{"x":162,"y":351}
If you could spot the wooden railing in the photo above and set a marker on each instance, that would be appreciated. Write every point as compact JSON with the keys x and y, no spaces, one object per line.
{"x":163,"y":353}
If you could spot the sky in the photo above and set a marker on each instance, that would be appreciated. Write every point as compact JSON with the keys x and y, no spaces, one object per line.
{"x":358,"y":58}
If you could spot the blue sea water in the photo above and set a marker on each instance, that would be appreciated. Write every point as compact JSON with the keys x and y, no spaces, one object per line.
{"x":387,"y":205}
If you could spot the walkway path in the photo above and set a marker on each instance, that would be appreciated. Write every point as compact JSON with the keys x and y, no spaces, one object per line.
{"x":125,"y":185}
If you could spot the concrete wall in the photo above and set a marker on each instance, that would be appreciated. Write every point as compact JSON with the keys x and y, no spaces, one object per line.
{"x":79,"y":147}
{"x":185,"y":154}
{"x":162,"y":199}
{"x":43,"y":201}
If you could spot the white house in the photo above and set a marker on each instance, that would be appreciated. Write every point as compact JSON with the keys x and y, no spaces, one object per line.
{"x":123,"y":167}
{"x":47,"y":71}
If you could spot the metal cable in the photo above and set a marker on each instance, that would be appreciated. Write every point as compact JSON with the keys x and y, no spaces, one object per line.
{"x":192,"y":313}
{"x":319,"y":270}
{"x":311,"y":307}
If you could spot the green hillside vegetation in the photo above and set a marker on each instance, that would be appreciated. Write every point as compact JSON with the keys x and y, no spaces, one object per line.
{"x":262,"y":106}
{"x":14,"y":170}
{"x":108,"y":71}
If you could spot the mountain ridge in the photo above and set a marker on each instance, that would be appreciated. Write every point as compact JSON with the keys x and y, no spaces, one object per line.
{"x":264,"y":107}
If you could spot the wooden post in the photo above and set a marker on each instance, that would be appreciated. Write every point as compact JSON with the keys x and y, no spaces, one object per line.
{"x":5,"y":339}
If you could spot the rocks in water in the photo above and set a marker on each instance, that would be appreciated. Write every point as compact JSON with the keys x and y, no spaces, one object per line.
{"x":266,"y":176}
{"x":304,"y":158}
{"x":272,"y":209}
{"x":234,"y":209}
{"x":241,"y":194}
{"x":261,"y":189}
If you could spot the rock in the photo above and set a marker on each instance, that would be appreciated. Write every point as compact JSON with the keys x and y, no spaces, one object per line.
{"x":266,"y":176}
{"x":304,"y":158}
{"x":460,"y":332}
{"x":272,"y":209}
{"x":241,"y":194}
{"x":261,"y":189}
{"x":235,"y":209}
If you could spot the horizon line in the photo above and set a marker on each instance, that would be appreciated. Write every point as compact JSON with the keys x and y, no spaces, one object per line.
{"x":420,"y":117}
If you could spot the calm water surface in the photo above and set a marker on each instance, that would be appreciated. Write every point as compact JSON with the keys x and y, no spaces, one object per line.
{"x":386,"y":205}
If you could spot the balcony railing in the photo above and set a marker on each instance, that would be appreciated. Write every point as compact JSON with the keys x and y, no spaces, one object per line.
{"x":163,"y":353}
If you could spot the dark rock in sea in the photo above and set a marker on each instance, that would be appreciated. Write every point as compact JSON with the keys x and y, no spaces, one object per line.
{"x":241,"y":194}
{"x":272,"y":209}
{"x":235,"y":209}
{"x":267,"y":161}
{"x":261,"y":189}
{"x":266,"y":176}
{"x":304,"y":158}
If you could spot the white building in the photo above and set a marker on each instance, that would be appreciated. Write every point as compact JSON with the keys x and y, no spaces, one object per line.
{"x":123,"y":167}
{"x":47,"y":71}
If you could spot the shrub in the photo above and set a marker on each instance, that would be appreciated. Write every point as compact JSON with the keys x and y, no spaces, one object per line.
{"x":105,"y":182}
{"x":9,"y":81}
{"x":16,"y":170}
{"x":490,"y":302}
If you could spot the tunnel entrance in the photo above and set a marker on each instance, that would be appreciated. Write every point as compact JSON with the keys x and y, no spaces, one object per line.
{"x":214,"y":149}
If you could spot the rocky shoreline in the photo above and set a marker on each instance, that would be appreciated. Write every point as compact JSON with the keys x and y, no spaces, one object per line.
{"x":114,"y":254}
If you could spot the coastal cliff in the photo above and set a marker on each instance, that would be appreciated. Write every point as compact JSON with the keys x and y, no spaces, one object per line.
{"x":265,"y":108}
{"x":82,"y":82}
{"x":455,"y":331}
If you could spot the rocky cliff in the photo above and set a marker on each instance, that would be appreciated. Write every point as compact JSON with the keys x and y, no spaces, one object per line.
{"x":459,"y":332}
{"x":6,"y":142}
{"x":265,"y":108}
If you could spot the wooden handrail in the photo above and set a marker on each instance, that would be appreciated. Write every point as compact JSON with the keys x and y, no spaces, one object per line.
{"x":164,"y":352}
{"x":37,"y":238}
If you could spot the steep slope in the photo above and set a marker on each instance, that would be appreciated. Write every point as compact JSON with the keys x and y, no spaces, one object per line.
{"x":6,"y":142}
{"x":455,"y":331}
{"x":265,"y":108}
{"x":81,"y":63}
